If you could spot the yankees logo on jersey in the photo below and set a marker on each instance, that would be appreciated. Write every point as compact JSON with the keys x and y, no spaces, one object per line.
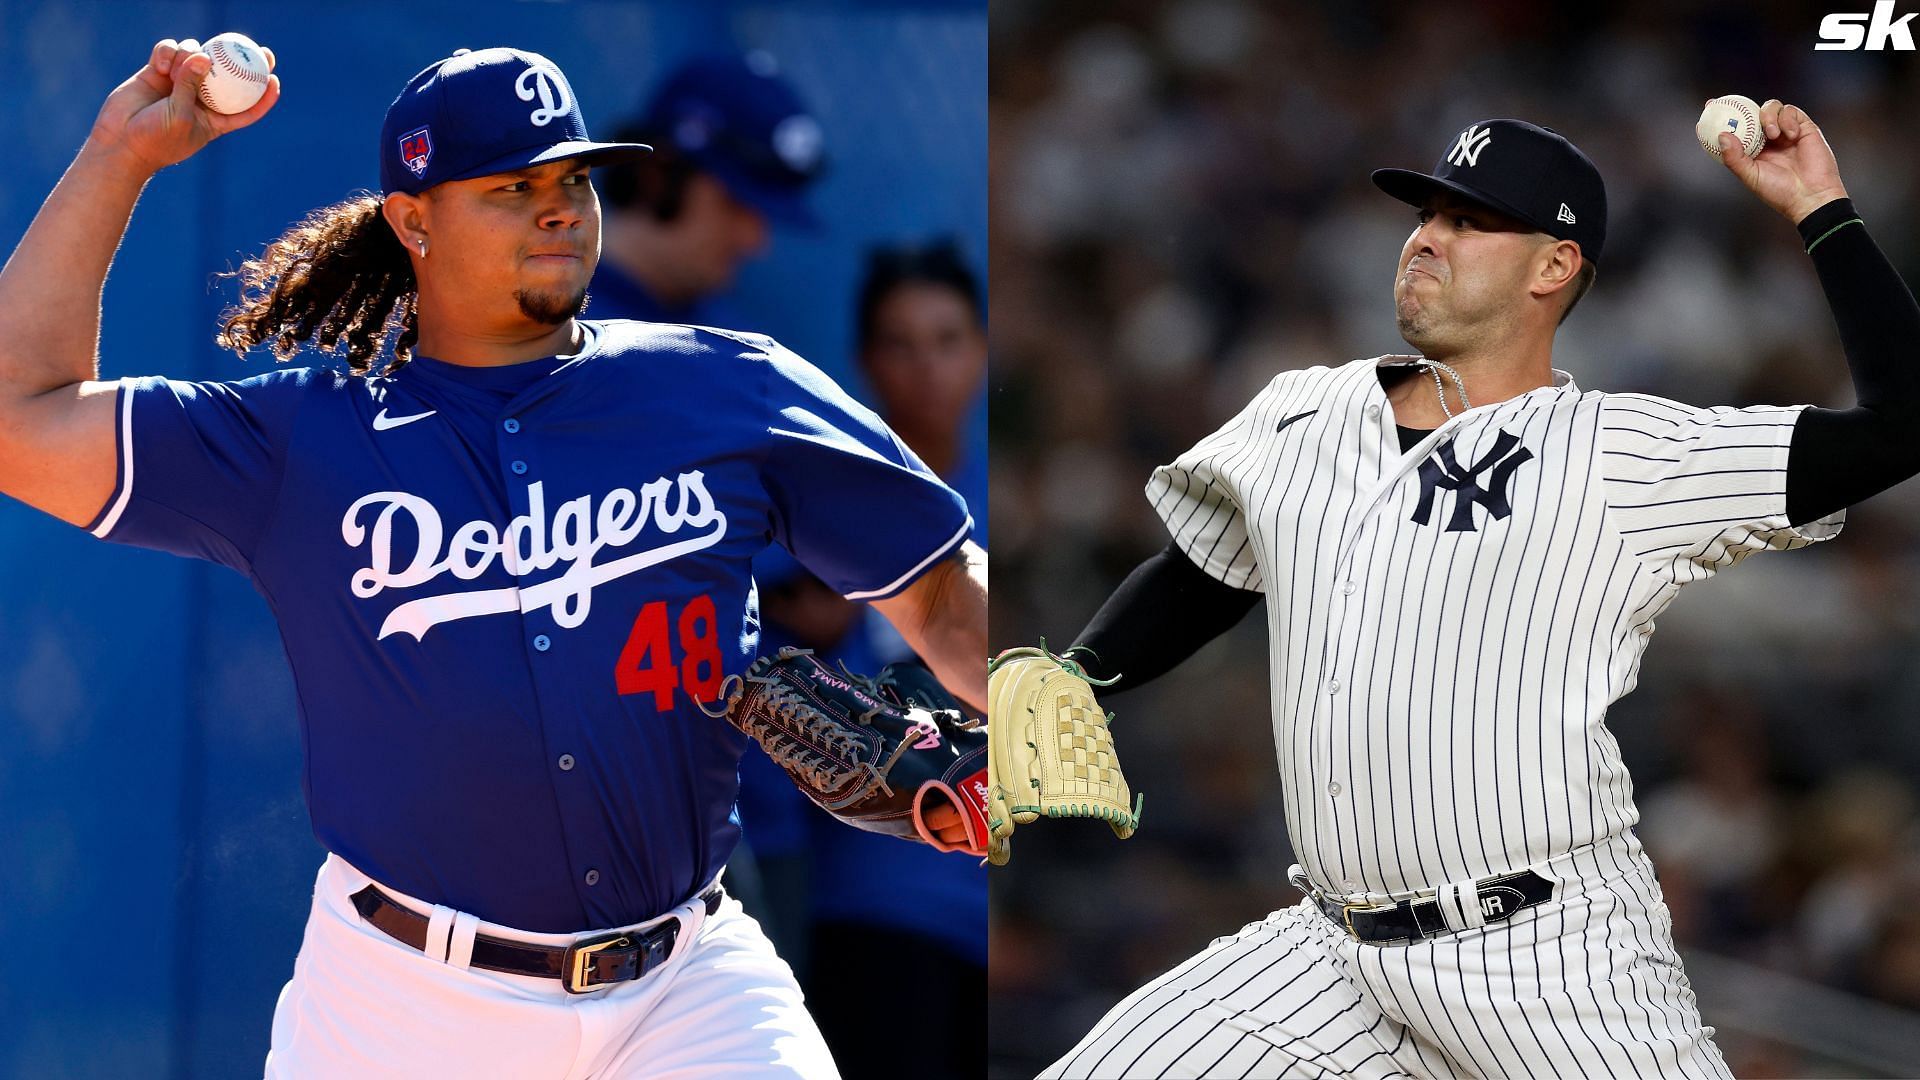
{"x":1439,"y":696}
{"x":1411,"y":661}
{"x":1441,"y":472}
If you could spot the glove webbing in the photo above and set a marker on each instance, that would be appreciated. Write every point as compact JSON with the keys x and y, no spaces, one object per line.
{"x":1070,"y":729}
{"x":808,"y":745}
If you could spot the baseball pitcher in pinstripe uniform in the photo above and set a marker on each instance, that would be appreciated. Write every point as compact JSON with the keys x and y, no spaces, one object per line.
{"x":1462,"y":555}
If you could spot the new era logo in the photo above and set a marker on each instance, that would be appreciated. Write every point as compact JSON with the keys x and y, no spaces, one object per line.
{"x":1565,"y":214}
{"x":1466,"y":149}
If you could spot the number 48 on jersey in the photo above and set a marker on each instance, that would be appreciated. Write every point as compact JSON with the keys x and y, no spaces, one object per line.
{"x":646,"y":662}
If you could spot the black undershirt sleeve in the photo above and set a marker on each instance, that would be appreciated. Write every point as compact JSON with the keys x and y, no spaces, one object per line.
{"x":1165,"y":610}
{"x":1841,"y":456}
{"x":1168,"y":607}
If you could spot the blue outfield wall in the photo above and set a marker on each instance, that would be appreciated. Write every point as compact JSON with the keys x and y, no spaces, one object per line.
{"x":157,"y":855}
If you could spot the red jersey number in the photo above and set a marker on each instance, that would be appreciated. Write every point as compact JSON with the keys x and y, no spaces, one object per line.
{"x":646,"y":662}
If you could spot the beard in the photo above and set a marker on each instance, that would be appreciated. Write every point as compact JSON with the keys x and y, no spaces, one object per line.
{"x":551,"y":308}
{"x":1415,"y":325}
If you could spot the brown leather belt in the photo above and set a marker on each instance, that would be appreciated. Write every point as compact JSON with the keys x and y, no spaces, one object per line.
{"x":587,"y":964}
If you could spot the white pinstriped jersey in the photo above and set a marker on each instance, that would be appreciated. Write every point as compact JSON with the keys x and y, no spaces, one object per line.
{"x":1449,"y":625}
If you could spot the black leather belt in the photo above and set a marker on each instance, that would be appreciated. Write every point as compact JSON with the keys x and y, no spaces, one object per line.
{"x":588,"y":963}
{"x":1500,"y":898}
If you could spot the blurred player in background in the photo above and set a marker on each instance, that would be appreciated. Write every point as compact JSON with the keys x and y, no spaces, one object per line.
{"x":735,"y":150}
{"x":923,"y":347}
{"x":846,"y":899}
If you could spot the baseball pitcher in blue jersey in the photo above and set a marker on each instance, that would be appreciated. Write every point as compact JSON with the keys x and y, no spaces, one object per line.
{"x":508,"y":552}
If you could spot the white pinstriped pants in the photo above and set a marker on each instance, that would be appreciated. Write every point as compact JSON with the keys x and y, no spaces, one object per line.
{"x":1587,"y":984}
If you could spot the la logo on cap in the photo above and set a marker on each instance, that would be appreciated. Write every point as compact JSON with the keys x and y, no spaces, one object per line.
{"x":538,"y":81}
{"x":1466,"y":149}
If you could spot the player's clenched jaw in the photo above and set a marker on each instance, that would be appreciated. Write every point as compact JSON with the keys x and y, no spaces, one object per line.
{"x":1460,"y":275}
{"x":504,"y":253}
{"x":1470,"y":276}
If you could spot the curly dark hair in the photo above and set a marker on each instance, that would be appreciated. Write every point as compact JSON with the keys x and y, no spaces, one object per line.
{"x":338,"y":279}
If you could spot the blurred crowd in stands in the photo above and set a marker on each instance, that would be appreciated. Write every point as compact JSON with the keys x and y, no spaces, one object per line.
{"x":1180,"y":209}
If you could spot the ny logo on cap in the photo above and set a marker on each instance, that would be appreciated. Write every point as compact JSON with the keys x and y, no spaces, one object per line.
{"x":1442,"y":471}
{"x":550,"y":87}
{"x":1466,"y":149}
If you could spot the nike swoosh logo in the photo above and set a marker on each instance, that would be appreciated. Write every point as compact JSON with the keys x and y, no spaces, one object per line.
{"x":383,"y":422}
{"x":1292,"y":419}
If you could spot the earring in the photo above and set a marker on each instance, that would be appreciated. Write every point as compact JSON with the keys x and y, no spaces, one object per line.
{"x":423,"y":249}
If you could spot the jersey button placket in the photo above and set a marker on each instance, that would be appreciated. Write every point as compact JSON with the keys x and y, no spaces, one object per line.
{"x":1337,"y":712}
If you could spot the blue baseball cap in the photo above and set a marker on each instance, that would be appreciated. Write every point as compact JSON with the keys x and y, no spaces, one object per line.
{"x":485,"y":111}
{"x":1524,"y":171}
{"x":733,"y":116}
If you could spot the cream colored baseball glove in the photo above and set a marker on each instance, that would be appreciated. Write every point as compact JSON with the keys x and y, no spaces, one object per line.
{"x":1049,"y":753}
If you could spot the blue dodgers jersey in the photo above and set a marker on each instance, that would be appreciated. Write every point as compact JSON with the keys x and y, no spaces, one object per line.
{"x":502,"y":607}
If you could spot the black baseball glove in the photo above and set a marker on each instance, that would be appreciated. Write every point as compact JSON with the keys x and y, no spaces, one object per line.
{"x":893,"y":754}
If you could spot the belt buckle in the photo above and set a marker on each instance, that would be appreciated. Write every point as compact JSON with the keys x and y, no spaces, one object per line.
{"x":579,"y":960}
{"x":1346,"y":916}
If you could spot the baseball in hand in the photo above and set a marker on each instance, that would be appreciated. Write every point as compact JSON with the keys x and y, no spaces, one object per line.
{"x":238,"y":76}
{"x":1733,"y":114}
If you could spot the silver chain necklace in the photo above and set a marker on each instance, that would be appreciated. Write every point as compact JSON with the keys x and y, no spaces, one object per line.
{"x":1434,"y":368}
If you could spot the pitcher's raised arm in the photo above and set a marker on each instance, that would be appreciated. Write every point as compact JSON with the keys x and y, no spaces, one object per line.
{"x":56,"y":420}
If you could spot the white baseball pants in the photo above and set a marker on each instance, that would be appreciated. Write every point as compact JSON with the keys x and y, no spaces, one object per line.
{"x":362,"y":1004}
{"x":1587,"y":984}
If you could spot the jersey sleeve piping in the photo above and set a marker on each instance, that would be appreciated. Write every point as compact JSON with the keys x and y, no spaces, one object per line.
{"x":123,"y":456}
{"x":901,"y":582}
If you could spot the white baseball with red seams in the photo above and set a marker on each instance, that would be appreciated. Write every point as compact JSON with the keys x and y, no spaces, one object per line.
{"x":238,"y":76}
{"x":1734,"y":115}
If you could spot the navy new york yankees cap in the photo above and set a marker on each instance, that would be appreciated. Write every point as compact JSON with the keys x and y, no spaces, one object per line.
{"x":1522,"y":170}
{"x":485,"y":111}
